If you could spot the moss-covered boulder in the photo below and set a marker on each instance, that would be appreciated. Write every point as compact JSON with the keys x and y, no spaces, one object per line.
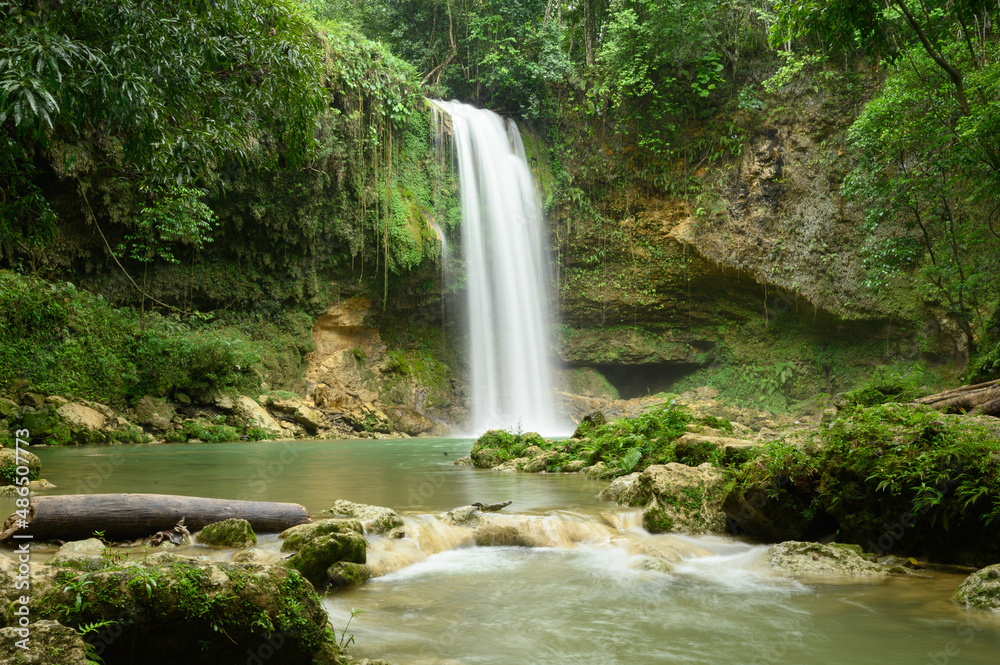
{"x":297,"y":536}
{"x":589,"y":423}
{"x":981,"y":590}
{"x":317,"y":555}
{"x":680,"y":498}
{"x":618,"y":486}
{"x":228,"y":533}
{"x":347,"y":573}
{"x":46,"y":426}
{"x":171,"y":609}
{"x":10,"y":459}
{"x":375,"y":519}
{"x":49,"y":643}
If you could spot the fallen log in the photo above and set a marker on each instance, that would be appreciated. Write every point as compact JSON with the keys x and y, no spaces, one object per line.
{"x":127,"y":516}
{"x":965,"y":398}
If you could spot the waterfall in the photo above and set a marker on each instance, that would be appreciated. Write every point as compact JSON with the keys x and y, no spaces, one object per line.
{"x":506,"y":272}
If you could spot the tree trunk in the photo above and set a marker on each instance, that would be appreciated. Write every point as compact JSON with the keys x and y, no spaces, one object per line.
{"x":127,"y":516}
{"x":966,"y":398}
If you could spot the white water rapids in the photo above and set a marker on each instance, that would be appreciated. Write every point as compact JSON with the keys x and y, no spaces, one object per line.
{"x":506,"y":271}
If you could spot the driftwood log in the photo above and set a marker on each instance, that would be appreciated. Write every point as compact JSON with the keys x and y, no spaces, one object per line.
{"x":982,"y":399}
{"x":127,"y":516}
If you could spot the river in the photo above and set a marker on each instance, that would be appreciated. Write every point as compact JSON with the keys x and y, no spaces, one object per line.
{"x":583,"y":600}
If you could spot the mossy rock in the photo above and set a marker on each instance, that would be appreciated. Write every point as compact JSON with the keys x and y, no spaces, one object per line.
{"x":47,"y":427}
{"x":346,"y":573}
{"x":183,"y":610}
{"x":981,"y":590}
{"x":656,"y":520}
{"x":297,"y":536}
{"x":228,"y":533}
{"x":589,"y":423}
{"x":317,"y":555}
{"x":50,"y":643}
{"x":374,"y":519}
{"x":9,"y":463}
{"x":487,"y":458}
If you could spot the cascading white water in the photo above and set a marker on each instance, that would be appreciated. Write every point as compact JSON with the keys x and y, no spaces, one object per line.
{"x":506,"y":273}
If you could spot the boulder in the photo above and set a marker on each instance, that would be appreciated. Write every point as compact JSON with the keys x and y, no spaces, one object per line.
{"x":574,"y":465}
{"x":298,"y":536}
{"x":817,"y":560}
{"x":192,"y":610}
{"x":409,"y":421}
{"x":102,"y":409}
{"x":34,"y":400}
{"x":677,"y":497}
{"x":228,"y":533}
{"x":367,"y":418}
{"x":613,"y":491}
{"x":254,"y":415}
{"x":7,"y":407}
{"x":312,"y":419}
{"x":50,"y":643}
{"x":253,"y":555}
{"x":46,"y":426}
{"x":154,"y":412}
{"x":694,"y":449}
{"x":589,"y":423}
{"x":463,"y":461}
{"x":346,"y":573}
{"x":56,"y":400}
{"x":10,"y":460}
{"x":541,"y":462}
{"x":81,"y":554}
{"x":223,"y":402}
{"x":317,"y":555}
{"x":375,"y":519}
{"x":78,"y":416}
{"x":468,"y":516}
{"x":981,"y":590}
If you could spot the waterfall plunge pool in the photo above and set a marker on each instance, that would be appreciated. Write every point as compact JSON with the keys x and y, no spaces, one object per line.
{"x":585,"y":603}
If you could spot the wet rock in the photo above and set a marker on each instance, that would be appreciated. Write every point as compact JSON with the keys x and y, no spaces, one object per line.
{"x":613,"y":491}
{"x":345,"y":573}
{"x":10,"y":459}
{"x":317,"y":555}
{"x":254,"y":415}
{"x":375,"y":519}
{"x":815,"y":559}
{"x":981,"y":590}
{"x":468,"y":516}
{"x":676,"y":497}
{"x":228,"y":533}
{"x":253,"y":555}
{"x":296,"y":537}
{"x":464,"y":461}
{"x":154,"y":412}
{"x":50,"y":643}
{"x":512,"y":465}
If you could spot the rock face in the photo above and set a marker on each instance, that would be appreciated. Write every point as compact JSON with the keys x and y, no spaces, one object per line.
{"x":50,"y":643}
{"x":228,"y":533}
{"x":981,"y":590}
{"x":676,"y":497}
{"x":10,"y":460}
{"x":815,"y":559}
{"x":172,"y":609}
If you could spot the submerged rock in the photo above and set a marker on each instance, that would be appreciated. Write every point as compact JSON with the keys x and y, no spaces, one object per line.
{"x":981,"y":590}
{"x":228,"y":533}
{"x":676,"y":497}
{"x":815,"y":559}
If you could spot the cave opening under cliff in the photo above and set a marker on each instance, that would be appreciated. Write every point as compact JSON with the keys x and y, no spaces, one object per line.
{"x":647,"y":379}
